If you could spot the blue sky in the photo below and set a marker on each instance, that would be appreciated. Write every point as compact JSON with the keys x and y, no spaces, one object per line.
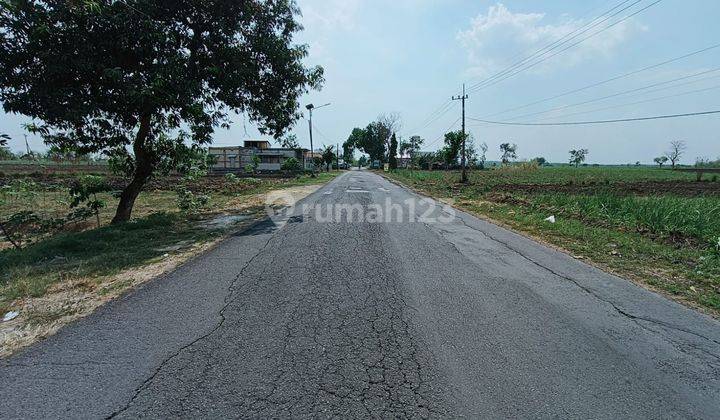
{"x":410,"y":56}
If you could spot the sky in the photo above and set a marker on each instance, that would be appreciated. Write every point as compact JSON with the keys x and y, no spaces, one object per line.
{"x":411,"y":56}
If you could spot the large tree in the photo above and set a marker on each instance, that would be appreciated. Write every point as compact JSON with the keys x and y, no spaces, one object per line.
{"x":5,"y":153}
{"x":289,"y":142}
{"x":578,"y":156}
{"x":509,"y":152}
{"x":392,"y":152}
{"x":661,"y":160}
{"x":482,"y":155}
{"x":369,"y":140}
{"x":146,"y":82}
{"x":452,"y":148}
{"x":348,"y":151}
{"x":677,"y":150}
{"x":328,"y":156}
{"x":389,"y":124}
{"x":411,"y":147}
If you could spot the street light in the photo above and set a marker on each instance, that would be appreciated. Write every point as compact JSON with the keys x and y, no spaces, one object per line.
{"x":310,"y":108}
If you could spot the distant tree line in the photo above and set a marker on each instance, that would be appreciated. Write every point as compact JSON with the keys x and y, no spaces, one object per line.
{"x":379,"y":141}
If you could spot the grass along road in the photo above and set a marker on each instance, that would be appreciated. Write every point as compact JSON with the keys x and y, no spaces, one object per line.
{"x":66,"y":276}
{"x":657,"y":227}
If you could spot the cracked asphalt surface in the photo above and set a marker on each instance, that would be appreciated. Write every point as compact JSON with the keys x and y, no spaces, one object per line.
{"x":439,"y":314}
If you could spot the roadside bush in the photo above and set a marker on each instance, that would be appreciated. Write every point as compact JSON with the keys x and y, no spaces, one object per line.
{"x":85,"y":190}
{"x":189,"y":202}
{"x":291,"y":164}
{"x":25,"y":227}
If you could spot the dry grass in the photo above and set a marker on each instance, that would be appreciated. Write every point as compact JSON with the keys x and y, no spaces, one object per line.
{"x":67,"y":301}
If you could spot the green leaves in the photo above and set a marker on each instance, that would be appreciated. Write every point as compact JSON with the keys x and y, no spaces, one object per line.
{"x":91,"y":70}
{"x":370,"y":140}
{"x":453,"y":144}
{"x":85,"y":187}
{"x":392,"y":154}
{"x":291,"y":164}
{"x":578,"y":156}
{"x":85,"y":190}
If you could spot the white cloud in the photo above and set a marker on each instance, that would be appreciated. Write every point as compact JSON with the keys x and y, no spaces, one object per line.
{"x":322,"y":20}
{"x":500,"y":37}
{"x":328,"y":15}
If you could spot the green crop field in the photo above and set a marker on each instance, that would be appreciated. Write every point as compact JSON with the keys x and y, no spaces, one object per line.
{"x":656,"y":226}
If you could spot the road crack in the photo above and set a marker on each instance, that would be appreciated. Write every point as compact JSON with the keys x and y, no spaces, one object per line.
{"x":226,"y":302}
{"x":635,"y":318}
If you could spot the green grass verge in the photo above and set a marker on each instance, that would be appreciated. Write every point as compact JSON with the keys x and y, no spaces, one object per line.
{"x":28,"y":272}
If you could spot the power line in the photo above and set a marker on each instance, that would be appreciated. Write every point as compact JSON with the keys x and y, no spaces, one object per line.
{"x":625,"y":92}
{"x":612,"y":79}
{"x":443,"y":133}
{"x":636,"y":103}
{"x":568,"y":47}
{"x":657,"y":117}
{"x":462,"y":98}
{"x":315,"y":126}
{"x":445,"y":107}
{"x":433,"y":116}
{"x":520,"y":54}
{"x":557,"y":43}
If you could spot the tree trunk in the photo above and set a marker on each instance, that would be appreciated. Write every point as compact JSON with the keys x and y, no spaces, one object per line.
{"x":8,"y":236}
{"x":143,"y":171}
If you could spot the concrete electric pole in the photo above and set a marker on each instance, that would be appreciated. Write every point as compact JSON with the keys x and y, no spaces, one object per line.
{"x":462,"y":98}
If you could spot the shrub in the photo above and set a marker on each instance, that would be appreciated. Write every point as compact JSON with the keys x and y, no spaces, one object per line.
{"x":25,"y":227}
{"x":189,"y":202}
{"x":291,"y":164}
{"x":85,"y":190}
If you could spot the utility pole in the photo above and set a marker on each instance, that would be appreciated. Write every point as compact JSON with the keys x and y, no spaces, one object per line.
{"x":337,"y":156}
{"x":27,"y":145}
{"x":312,"y":153}
{"x":310,"y":108}
{"x":462,"y":98}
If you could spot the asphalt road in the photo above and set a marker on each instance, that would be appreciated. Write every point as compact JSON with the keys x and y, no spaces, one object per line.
{"x":434,"y":315}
